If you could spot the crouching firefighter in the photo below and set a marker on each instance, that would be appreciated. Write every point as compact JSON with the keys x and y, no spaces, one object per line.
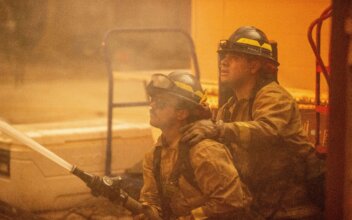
{"x":182,"y":182}
{"x":261,"y":124}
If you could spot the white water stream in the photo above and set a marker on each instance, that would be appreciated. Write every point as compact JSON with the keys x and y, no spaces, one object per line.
{"x":24,"y":139}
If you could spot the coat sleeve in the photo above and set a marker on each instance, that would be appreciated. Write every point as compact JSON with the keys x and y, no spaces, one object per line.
{"x":218,"y":180}
{"x":272,"y":111}
{"x":149,"y":193}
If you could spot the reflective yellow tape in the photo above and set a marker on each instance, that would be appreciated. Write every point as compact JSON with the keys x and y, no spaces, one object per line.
{"x":244,"y":124}
{"x":254,"y":43}
{"x":203,"y":96}
{"x":184,"y":86}
{"x":200,"y":94}
{"x":198,"y":214}
{"x":188,"y":88}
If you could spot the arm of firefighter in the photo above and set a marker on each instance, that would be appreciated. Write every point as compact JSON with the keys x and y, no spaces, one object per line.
{"x":218,"y":180}
{"x":272,"y":111}
{"x":149,"y":194}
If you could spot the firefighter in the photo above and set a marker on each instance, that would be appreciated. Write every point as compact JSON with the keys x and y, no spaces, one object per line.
{"x":261,"y":124}
{"x":182,"y":182}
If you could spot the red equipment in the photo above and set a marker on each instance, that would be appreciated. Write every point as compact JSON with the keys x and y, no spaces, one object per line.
{"x":320,"y":68}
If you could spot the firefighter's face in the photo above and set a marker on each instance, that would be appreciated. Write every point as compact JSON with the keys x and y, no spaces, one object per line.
{"x":235,"y":69}
{"x":164,"y":112}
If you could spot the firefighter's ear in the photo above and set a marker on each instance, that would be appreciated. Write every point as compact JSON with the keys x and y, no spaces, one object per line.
{"x":182,"y":114}
{"x":255,"y":65}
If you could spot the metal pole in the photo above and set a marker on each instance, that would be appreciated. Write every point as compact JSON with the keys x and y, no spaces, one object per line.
{"x":337,"y":145}
{"x":110,"y":110}
{"x":317,"y":86}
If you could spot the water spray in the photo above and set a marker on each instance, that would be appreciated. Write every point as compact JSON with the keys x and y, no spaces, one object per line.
{"x":24,"y":139}
{"x":105,"y":186}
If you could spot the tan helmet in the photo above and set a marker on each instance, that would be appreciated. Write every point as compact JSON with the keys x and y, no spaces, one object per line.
{"x":181,"y":84}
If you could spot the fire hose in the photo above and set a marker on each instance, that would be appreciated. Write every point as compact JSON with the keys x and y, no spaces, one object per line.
{"x":104,"y":186}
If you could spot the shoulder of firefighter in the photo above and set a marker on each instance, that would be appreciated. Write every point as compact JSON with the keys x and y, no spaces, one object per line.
{"x":220,"y":191}
{"x":274,"y":115}
{"x":272,"y":151}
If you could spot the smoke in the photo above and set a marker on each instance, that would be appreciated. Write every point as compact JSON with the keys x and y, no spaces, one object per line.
{"x":52,"y":65}
{"x":68,"y":34}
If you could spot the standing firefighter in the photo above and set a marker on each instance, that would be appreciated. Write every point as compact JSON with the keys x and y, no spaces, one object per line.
{"x":262,"y":127}
{"x":183,"y":182}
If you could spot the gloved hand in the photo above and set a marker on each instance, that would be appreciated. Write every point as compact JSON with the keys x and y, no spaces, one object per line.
{"x":195,"y":132}
{"x":105,"y":186}
{"x":97,"y":186}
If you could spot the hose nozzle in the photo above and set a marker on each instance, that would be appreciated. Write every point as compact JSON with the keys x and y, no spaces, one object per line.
{"x":109,"y":188}
{"x":86,"y":177}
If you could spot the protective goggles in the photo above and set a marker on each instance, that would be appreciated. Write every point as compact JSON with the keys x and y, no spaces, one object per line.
{"x":162,"y":82}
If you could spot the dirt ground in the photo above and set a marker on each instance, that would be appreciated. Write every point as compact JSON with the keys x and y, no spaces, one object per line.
{"x":96,"y":209}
